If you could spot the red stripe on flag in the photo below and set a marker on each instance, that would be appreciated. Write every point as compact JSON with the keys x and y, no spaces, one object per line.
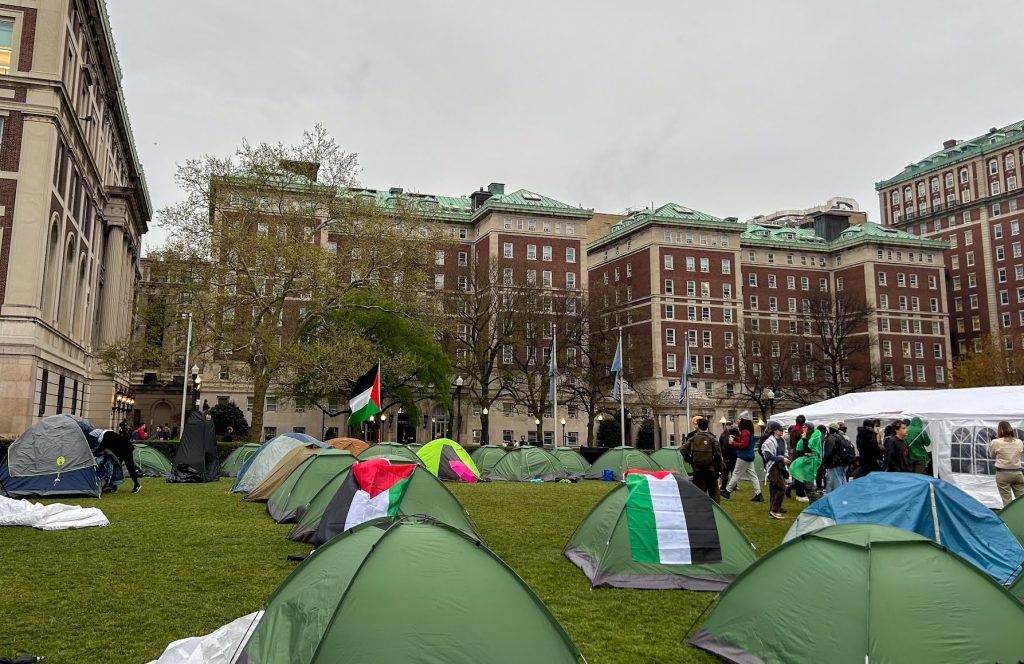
{"x":660,"y":474}
{"x":375,"y":394}
{"x":375,"y":476}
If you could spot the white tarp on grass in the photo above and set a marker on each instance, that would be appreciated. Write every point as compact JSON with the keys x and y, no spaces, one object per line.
{"x":217,"y":647}
{"x":960,"y":423}
{"x":49,"y":517}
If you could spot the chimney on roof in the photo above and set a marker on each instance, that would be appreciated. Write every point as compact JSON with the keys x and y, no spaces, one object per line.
{"x":478,"y":198}
{"x":993,"y":130}
{"x":395,"y":190}
{"x":306,"y":169}
{"x":496,"y":188}
{"x":950,"y":143}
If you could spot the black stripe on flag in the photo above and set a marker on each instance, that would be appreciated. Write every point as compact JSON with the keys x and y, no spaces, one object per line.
{"x":365,"y":381}
{"x":333,"y":521}
{"x":699,"y":510}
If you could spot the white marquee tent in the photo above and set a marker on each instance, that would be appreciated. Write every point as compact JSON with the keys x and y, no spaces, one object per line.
{"x":960,"y":423}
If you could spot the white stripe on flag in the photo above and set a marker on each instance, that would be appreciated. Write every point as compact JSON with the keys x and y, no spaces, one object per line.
{"x":363,"y":508}
{"x":357,"y":402}
{"x":670,"y":521}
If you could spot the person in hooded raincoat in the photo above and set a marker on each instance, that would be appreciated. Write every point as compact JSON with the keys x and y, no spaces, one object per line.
{"x":918,"y":440}
{"x":805,"y":466}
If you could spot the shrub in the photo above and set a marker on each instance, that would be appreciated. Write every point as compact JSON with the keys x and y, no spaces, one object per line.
{"x":229,"y":415}
{"x":608,"y":433}
{"x":645,"y":437}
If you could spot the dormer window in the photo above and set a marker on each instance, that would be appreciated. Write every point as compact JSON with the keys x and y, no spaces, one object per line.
{"x":530,"y":196}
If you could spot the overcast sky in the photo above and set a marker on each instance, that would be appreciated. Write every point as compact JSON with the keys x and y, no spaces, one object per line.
{"x":732,"y":108}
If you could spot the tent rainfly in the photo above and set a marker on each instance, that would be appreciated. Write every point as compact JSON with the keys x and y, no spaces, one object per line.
{"x":448,"y":460}
{"x":961,"y":424}
{"x":149,"y":461}
{"x":50,"y":459}
{"x":524,"y":464}
{"x":262,"y":463}
{"x":393,"y":451}
{"x":619,"y":460}
{"x":670,"y":458}
{"x":572,"y":461}
{"x":237,"y":459}
{"x":1013,"y":516}
{"x":292,"y":498}
{"x":486,"y":456}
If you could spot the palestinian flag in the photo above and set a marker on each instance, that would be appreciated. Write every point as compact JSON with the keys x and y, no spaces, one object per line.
{"x":372,"y":490}
{"x":365,"y":399}
{"x":671,"y":521}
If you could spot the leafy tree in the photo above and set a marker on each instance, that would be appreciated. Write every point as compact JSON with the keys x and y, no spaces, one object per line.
{"x":609,"y":433}
{"x":229,"y":415}
{"x":272,"y":239}
{"x":994,"y":365}
{"x":645,"y":436}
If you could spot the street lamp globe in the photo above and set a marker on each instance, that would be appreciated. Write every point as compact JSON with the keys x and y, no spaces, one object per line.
{"x":562,"y":421}
{"x":195,"y":370}
{"x":537,"y":422}
{"x":459,"y":382}
{"x":484,"y":411}
{"x":600,"y":417}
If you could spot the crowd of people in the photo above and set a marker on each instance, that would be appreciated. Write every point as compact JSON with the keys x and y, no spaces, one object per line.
{"x":810,"y":460}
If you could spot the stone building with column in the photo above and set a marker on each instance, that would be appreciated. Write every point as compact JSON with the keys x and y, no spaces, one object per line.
{"x":73,"y":208}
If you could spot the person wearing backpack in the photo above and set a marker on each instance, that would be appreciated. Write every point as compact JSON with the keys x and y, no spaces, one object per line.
{"x":704,"y":455}
{"x":837,"y":455}
{"x":745,"y":447}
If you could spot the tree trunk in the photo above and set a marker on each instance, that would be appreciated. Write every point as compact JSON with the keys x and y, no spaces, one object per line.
{"x":590,"y":429}
{"x":540,"y":433}
{"x":484,"y":420}
{"x":259,"y":399}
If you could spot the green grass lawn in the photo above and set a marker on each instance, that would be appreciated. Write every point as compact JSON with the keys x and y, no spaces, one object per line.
{"x":181,"y":560}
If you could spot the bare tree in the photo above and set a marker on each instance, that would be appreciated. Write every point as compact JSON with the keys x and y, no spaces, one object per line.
{"x":589,"y":381}
{"x":841,"y":340}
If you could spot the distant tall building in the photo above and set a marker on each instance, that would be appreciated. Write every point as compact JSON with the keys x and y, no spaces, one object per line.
{"x":73,"y":207}
{"x":968,"y":194}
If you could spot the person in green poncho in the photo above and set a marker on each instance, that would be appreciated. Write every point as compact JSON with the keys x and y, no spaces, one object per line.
{"x":804,"y":468}
{"x":918,"y":440}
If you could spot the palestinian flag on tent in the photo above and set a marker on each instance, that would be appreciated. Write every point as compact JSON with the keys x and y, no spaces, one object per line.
{"x":372,"y":490}
{"x":671,"y":521}
{"x":365,"y":399}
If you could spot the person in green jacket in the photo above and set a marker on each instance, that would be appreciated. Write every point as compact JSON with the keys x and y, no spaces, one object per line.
{"x":918,"y":440}
{"x":804,"y":468}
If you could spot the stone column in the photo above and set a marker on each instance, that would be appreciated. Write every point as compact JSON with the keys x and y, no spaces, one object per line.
{"x":680,"y":430}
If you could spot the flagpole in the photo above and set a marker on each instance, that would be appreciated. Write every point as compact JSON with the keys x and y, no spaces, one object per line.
{"x":554,"y":384}
{"x":686,"y":377}
{"x":622,"y":396}
{"x":380,"y":421}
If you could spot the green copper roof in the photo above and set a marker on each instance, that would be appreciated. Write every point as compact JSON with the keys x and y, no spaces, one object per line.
{"x":450,"y":208}
{"x":774,"y":235}
{"x":875,"y":233}
{"x":805,"y":238}
{"x":672,"y":214}
{"x":984,"y":144}
{"x":525,"y":200}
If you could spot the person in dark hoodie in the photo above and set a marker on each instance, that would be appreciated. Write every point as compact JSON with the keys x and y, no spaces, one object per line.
{"x":120,"y":447}
{"x":897,"y":452}
{"x":868,"y":450}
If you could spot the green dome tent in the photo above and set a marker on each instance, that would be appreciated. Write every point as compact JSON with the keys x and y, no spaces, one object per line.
{"x":523,"y":464}
{"x":415,"y":447}
{"x":601,"y":548}
{"x":447,"y":460}
{"x":291,"y":498}
{"x":903,"y":599}
{"x":1013,"y":516}
{"x":237,"y":459}
{"x":345,"y":601}
{"x":619,"y":460}
{"x":572,"y":461}
{"x":149,"y":461}
{"x":486,"y":456}
{"x":393,"y":451}
{"x":424,"y":495}
{"x":669,"y":458}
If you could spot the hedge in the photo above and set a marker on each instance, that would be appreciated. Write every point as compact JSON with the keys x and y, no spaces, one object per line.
{"x":169,"y":448}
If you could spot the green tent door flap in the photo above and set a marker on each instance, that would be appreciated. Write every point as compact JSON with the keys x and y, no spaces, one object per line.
{"x":866,"y":593}
{"x":600,"y":547}
{"x":406,"y":591}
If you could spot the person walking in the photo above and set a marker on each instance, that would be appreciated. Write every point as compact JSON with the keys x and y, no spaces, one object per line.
{"x":806,"y":462}
{"x":776,"y":458}
{"x":746,"y":448}
{"x":121,"y":448}
{"x":728,"y":447}
{"x":897,"y":453}
{"x":835,"y":457}
{"x":1006,"y":449}
{"x":704,"y":455}
{"x":869,"y":451}
{"x":140,"y":433}
{"x":918,"y":443}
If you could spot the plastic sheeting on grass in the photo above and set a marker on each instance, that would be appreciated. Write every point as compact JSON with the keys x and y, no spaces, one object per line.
{"x":217,"y":647}
{"x":49,"y":517}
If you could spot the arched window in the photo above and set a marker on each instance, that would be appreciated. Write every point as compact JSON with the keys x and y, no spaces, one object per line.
{"x":993,"y":166}
{"x":963,"y":175}
{"x":66,"y":297}
{"x":78,"y":316}
{"x":895,"y":196}
{"x":949,"y":180}
{"x":908,"y":195}
{"x":920,"y":188}
{"x":1008,"y":161}
{"x":51,"y":267}
{"x":935,"y":184}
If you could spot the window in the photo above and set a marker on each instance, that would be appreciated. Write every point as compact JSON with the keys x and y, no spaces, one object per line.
{"x":531,"y":252}
{"x":508,"y":250}
{"x":705,"y":265}
{"x":771,"y":281}
{"x":727,"y":291}
{"x":570,"y":255}
{"x":918,"y":350}
{"x":940,"y":375}
{"x":886,"y":348}
{"x":670,"y":311}
{"x":629,"y":269}
{"x":629,"y":293}
{"x":994,"y":188}
{"x":726,"y":266}
{"x":993,"y":167}
{"x":1016,"y":248}
{"x":963,"y":175}
{"x":752,"y":279}
{"x":913,"y":281}
{"x":709,"y":367}
{"x":805,"y":283}
{"x":262,"y":229}
{"x":463,"y":258}
{"x":271,"y":404}
{"x":670,"y":362}
{"x":670,"y":337}
{"x":709,"y":387}
{"x":792,"y":305}
{"x":570,"y":280}
{"x":791,"y":283}
{"x":773,"y":304}
{"x":753,"y":302}
{"x":706,"y":339}
{"x":669,"y":262}
{"x":823,"y":285}
{"x":438,"y":281}
{"x":949,"y":180}
{"x":839,"y":283}
{"x":547,"y":253}
{"x":669,"y":287}
{"x":883,"y":301}
{"x":968,"y":238}
{"x":691,"y":264}
{"x":438,"y":258}
{"x":691,"y":339}
{"x":908,"y":372}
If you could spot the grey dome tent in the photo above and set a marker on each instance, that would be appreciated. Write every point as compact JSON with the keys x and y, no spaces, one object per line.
{"x":408,"y":591}
{"x":619,"y":460}
{"x":524,"y":464}
{"x":196,"y":459}
{"x":572,"y":461}
{"x":52,"y":458}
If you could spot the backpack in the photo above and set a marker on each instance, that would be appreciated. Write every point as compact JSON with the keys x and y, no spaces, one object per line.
{"x":702,"y":451}
{"x":846,"y":453}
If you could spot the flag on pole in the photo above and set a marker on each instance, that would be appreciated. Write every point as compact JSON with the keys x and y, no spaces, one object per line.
{"x":671,"y":521}
{"x":684,"y":384}
{"x":365,"y":399}
{"x":617,"y":369}
{"x":553,"y":374}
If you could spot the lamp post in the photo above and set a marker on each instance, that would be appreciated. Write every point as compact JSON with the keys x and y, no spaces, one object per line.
{"x":564,"y":435}
{"x":540,"y":432}
{"x":184,"y":386}
{"x":196,"y":382}
{"x":458,"y":405}
{"x":771,"y":402}
{"x":760,"y":423}
{"x":380,"y":433}
{"x":485,"y":422}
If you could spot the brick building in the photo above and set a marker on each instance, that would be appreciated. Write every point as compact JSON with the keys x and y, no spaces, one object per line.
{"x":73,"y":206}
{"x":968,"y":194}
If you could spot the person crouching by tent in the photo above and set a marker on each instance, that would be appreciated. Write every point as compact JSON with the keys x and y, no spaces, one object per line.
{"x":705,"y":457}
{"x":918,"y":443}
{"x":806,"y":461}
{"x":746,"y":448}
{"x":120,"y":447}
{"x":776,"y":458}
{"x":1006,"y":449}
{"x":897,"y":453}
{"x":869,"y":451}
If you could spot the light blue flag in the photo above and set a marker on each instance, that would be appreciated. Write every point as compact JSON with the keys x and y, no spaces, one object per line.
{"x":684,"y":384}
{"x":617,"y":369}
{"x":553,"y":371}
